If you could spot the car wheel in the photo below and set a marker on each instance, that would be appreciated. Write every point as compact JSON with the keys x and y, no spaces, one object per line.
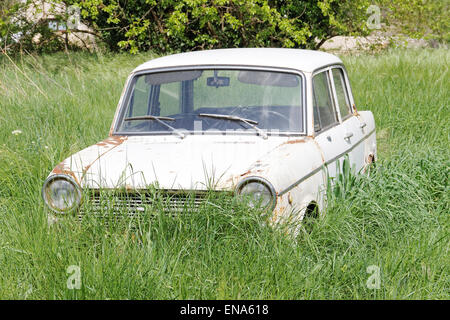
{"x":310,"y":217}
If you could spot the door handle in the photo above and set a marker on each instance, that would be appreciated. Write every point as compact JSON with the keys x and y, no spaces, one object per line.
{"x":363,"y":125}
{"x":348,"y":135}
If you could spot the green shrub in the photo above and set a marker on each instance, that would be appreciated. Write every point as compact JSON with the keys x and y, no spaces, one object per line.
{"x":419,"y":18}
{"x":182,"y":25}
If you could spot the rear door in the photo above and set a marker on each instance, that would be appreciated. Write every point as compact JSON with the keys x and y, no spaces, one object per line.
{"x":329,"y":134}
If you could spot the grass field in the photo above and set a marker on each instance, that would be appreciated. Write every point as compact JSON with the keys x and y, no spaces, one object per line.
{"x":397,"y":219}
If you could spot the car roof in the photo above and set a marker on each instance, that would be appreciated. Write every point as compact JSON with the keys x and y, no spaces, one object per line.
{"x":303,"y":60}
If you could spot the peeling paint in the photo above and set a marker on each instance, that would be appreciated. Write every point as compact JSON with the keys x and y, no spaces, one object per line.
{"x":107,"y":145}
{"x":63,"y":168}
{"x":113,"y":141}
{"x":246,"y":173}
{"x":320,"y":150}
{"x":355,"y":112}
{"x":295,"y":141}
{"x":278,"y":211}
{"x":289,"y":198}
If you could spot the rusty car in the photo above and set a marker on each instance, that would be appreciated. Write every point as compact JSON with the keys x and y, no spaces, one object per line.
{"x":271,"y":125}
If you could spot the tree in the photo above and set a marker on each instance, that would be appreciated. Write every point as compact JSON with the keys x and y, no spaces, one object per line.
{"x":166,"y":26}
{"x":427,"y":19}
{"x":327,"y":18}
{"x":181,"y":25}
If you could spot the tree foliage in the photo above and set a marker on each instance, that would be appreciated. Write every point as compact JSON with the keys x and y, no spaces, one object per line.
{"x":427,"y":19}
{"x":180,"y":25}
{"x":183,"y":25}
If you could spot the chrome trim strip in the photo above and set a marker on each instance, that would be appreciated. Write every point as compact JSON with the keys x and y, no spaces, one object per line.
{"x":324,"y":164}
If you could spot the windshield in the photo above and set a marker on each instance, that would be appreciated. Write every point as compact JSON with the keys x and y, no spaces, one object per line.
{"x":257,"y":102}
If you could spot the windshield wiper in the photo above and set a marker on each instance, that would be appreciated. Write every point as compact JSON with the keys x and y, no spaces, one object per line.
{"x":160,"y":120}
{"x":251,"y":123}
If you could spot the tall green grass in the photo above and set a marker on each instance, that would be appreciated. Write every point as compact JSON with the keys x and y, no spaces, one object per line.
{"x":396,"y":218}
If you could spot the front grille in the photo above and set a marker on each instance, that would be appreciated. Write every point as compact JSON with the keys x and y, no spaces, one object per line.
{"x":138,"y":204}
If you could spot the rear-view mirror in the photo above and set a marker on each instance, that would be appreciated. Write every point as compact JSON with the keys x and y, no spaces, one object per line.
{"x":218,"y":81}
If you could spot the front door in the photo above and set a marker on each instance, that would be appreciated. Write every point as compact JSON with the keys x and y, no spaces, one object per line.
{"x":351,"y":125}
{"x":329,"y":134}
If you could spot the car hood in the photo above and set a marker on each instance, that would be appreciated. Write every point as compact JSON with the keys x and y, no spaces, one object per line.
{"x":194,"y":163}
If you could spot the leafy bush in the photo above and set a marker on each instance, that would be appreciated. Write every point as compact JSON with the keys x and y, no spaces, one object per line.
{"x":419,"y":18}
{"x":181,"y":25}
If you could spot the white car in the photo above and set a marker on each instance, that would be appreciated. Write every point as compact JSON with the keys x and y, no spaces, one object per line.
{"x":269,"y":124}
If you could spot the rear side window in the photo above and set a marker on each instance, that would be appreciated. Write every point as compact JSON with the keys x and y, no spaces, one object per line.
{"x":324,"y":113}
{"x":341,"y":92}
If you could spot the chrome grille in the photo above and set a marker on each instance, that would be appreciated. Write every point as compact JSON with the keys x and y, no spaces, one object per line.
{"x":136,"y":204}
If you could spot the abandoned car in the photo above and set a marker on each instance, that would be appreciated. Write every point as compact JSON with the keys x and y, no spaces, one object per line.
{"x":271,"y":125}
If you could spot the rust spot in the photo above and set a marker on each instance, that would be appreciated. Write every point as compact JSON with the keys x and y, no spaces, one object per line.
{"x":246,"y":173}
{"x":289,"y":198}
{"x":61,"y":168}
{"x":370,"y":159}
{"x":230,"y":180}
{"x":112,"y":141}
{"x":111,"y":129}
{"x":320,"y":151}
{"x":295,"y":141}
{"x":277,"y":212}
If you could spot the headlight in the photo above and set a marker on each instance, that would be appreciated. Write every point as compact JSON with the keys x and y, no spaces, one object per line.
{"x":61,"y":193}
{"x":258,"y":191}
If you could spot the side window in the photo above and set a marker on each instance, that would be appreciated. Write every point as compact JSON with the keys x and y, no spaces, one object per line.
{"x":341,"y":92}
{"x":324,"y":113}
